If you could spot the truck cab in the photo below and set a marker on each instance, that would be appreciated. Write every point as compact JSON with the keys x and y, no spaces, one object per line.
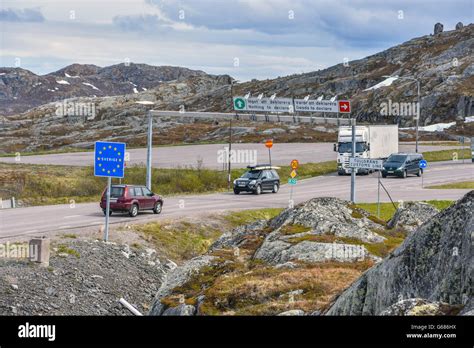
{"x":344,"y":147}
{"x":372,"y":142}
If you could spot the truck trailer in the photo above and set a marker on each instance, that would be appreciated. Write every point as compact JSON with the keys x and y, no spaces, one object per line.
{"x":373,"y":142}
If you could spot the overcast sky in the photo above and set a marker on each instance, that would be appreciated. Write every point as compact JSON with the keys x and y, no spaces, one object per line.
{"x":243,"y":38}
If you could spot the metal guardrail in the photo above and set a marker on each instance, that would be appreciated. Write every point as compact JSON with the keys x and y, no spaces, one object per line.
{"x":251,"y":117}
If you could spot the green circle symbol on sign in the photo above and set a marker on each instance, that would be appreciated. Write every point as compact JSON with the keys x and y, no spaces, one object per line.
{"x":239,"y":103}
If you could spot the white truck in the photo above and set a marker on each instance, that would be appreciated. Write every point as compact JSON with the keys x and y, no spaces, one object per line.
{"x":374,"y":142}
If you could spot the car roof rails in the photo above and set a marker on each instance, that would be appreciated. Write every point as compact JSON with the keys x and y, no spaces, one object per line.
{"x":262,"y":167}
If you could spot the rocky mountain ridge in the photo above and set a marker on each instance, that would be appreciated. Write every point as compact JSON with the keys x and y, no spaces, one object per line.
{"x":443,"y":63}
{"x":21,"y":90}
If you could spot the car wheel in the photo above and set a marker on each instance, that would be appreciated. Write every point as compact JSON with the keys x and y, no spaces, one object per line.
{"x":418,"y":173}
{"x":404,"y":175}
{"x":133,"y":210}
{"x":258,"y":190}
{"x":275,"y":188}
{"x":384,"y":175}
{"x":105,"y":211}
{"x":157,"y":208}
{"x":236,"y":192}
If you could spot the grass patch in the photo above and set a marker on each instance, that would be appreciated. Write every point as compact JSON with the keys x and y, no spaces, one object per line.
{"x":447,"y":155}
{"x":265,"y":290}
{"x":180,"y":241}
{"x":64,"y":249}
{"x":46,"y":185}
{"x":238,"y":218}
{"x":387,"y":209}
{"x":69,"y":235}
{"x":294,"y":229}
{"x":455,"y":185}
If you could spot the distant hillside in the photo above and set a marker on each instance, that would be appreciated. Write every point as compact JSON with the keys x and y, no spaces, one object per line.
{"x":444,"y":63}
{"x":21,"y":89}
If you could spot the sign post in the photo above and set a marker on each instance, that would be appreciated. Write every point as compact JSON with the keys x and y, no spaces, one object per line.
{"x":109,"y":162}
{"x":292,"y":180}
{"x":472,"y":149}
{"x":378,"y":195}
{"x":422,"y":165}
{"x":269,"y":144}
{"x":367,"y":163}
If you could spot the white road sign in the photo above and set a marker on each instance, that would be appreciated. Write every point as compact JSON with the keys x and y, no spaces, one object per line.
{"x":264,"y":104}
{"x":312,"y":105}
{"x":365,"y":163}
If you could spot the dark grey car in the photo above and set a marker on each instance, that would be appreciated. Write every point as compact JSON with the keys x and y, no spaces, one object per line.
{"x":402,"y":164}
{"x":258,"y":179}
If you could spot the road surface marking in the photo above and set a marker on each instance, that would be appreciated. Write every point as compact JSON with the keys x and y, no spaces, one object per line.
{"x":70,"y":216}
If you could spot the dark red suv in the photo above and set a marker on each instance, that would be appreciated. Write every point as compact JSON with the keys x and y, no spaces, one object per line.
{"x":131,"y":199}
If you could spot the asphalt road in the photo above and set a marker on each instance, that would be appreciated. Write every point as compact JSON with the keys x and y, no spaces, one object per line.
{"x":45,"y":219}
{"x":189,"y":155}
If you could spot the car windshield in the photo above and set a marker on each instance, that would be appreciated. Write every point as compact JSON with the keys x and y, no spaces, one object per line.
{"x":347,"y":147}
{"x":397,"y":159}
{"x":116,"y":192}
{"x":253,"y":174}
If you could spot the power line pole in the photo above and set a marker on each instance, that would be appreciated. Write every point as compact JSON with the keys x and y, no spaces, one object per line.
{"x":353,"y":170}
{"x":229,"y":178}
{"x":418,"y":114}
{"x":149,"y":149}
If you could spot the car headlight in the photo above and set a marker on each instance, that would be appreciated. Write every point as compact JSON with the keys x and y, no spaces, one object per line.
{"x":252,"y":182}
{"x":235,"y":181}
{"x":400,"y":168}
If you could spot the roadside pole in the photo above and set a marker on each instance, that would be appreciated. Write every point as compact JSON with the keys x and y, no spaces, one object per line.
{"x":229,"y":157}
{"x":353,"y":170}
{"x":268,"y":145}
{"x":109,"y":162}
{"x":149,"y":149}
{"x":462,"y":149}
{"x":292,"y":181}
{"x":107,"y":209}
{"x":378,"y":194}
{"x":422,"y":165}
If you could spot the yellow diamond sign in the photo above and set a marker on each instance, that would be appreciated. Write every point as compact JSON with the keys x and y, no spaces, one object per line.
{"x":293,"y":173}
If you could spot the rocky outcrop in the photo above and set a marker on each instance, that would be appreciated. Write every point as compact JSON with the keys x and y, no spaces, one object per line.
{"x":438,"y":28}
{"x":459,"y":26}
{"x":435,"y":263}
{"x":412,"y":215}
{"x":420,"y":307}
{"x":319,"y":230}
{"x":175,"y":278}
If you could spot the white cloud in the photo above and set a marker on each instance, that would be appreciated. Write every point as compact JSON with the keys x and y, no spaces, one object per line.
{"x":211,"y":34}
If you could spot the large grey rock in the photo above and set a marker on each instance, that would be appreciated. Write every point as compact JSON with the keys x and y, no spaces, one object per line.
{"x":419,"y":307}
{"x":438,"y":28}
{"x":181,"y":310}
{"x":434,"y":263}
{"x":459,"y":25}
{"x":293,"y":312}
{"x":321,"y":216}
{"x":237,"y":236}
{"x":273,"y":131}
{"x":412,"y":215}
{"x":177,"y":277}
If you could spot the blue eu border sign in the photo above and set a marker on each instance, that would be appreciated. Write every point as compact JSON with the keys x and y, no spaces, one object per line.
{"x":109,"y":159}
{"x":109,"y":162}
